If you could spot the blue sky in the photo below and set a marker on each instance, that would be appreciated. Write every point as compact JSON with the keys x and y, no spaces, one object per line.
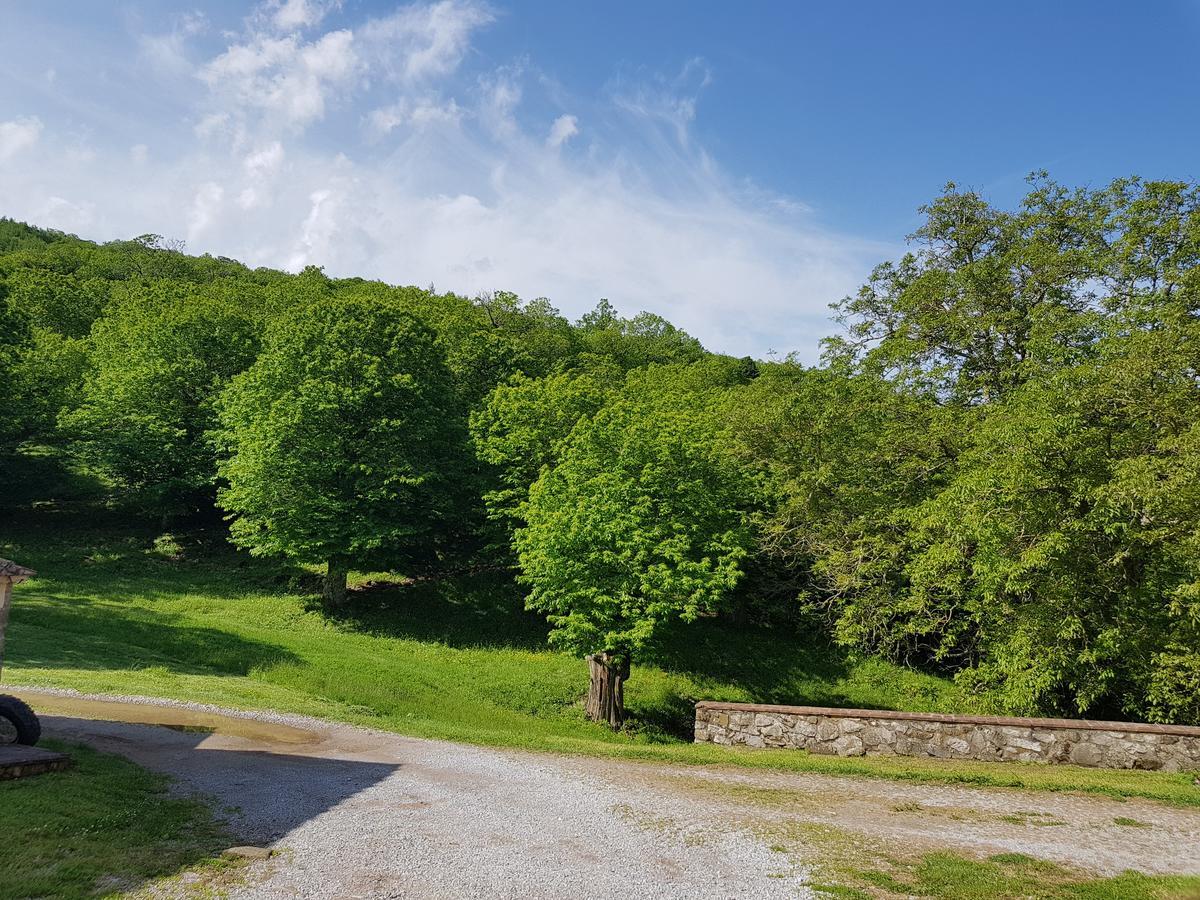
{"x":735,"y":167}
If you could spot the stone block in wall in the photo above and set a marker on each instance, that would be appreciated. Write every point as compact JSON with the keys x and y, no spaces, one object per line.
{"x":827,"y":730}
{"x":804,"y":728}
{"x":849,"y":745}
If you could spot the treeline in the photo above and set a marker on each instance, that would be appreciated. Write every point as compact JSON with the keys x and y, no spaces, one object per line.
{"x":995,"y":472}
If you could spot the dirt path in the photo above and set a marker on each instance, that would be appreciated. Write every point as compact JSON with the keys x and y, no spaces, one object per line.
{"x":357,"y":813}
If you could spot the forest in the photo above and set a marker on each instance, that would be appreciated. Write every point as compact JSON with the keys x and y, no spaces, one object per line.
{"x":992,"y":475}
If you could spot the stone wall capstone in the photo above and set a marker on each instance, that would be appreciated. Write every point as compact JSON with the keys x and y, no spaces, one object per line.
{"x":859,"y":732}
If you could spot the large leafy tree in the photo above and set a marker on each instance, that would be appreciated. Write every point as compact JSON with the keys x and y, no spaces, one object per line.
{"x":986,"y":299}
{"x":640,"y":522}
{"x":341,"y":444}
{"x":1048,"y":555}
{"x":159,"y":357}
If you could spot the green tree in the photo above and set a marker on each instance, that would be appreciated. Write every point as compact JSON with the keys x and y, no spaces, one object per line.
{"x":57,"y":302}
{"x":522,"y":428}
{"x":14,"y":334}
{"x":988,"y":298}
{"x":159,"y":357}
{"x":633,"y":343}
{"x":1049,"y":555}
{"x":641,"y":522}
{"x":341,"y":443}
{"x":843,"y":455}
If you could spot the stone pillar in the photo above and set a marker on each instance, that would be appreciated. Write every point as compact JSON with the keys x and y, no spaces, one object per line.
{"x":10,"y":574}
{"x":5,"y":602}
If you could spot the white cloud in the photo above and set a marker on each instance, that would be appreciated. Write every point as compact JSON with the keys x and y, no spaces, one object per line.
{"x":287,"y":79}
{"x":291,"y":15}
{"x":206,"y":207}
{"x":17,"y":135}
{"x":167,"y":53}
{"x":422,"y":41}
{"x":381,"y":149}
{"x":212,"y":125}
{"x":563,"y":129}
{"x":417,"y":114}
{"x":264,"y":162}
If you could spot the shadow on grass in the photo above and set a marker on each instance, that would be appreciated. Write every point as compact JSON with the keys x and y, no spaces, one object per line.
{"x":86,"y":548}
{"x":483,"y":610}
{"x":723,"y":661}
{"x":772,"y":665}
{"x":108,"y":826}
{"x":81,"y":633}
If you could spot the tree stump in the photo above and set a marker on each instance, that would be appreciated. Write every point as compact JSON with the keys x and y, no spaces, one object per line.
{"x":333,"y":593}
{"x":606,"y":689}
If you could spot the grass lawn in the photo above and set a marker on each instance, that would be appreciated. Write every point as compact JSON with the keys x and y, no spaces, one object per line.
{"x":1007,"y":876}
{"x":103,"y":826}
{"x":120,"y":608}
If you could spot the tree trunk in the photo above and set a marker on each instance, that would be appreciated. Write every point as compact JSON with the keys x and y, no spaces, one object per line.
{"x":606,"y":692}
{"x":334,"y":593}
{"x":5,"y":600}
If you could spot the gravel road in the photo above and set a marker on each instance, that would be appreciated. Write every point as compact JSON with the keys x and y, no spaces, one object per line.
{"x":358,"y":813}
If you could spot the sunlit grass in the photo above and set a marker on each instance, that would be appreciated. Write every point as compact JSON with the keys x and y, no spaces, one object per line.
{"x":117,"y":609}
{"x":103,"y":826}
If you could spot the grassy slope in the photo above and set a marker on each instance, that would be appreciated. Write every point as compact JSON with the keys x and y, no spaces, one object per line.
{"x":102,"y":826}
{"x":457,"y":659}
{"x":112,"y":611}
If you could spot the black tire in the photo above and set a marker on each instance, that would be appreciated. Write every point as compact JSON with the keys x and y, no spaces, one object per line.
{"x":21,"y":718}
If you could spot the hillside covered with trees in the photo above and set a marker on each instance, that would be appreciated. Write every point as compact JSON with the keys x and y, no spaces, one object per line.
{"x":994,"y":474}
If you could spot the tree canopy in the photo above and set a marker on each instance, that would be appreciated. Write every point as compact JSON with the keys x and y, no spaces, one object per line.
{"x":993,"y":473}
{"x":339,"y":442}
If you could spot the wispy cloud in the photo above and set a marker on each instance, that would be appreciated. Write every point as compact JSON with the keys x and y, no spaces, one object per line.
{"x":388,"y":148}
{"x":564,"y":128}
{"x":18,"y":135}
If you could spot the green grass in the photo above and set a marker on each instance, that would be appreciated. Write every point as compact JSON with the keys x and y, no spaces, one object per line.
{"x":120,"y":608}
{"x":852,"y":865}
{"x":103,"y":826}
{"x":1008,"y":876}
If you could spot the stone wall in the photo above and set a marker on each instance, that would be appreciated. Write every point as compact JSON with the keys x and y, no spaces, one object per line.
{"x":859,"y":732}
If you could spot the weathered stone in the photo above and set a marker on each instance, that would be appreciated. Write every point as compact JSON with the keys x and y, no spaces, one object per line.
{"x":1086,"y":755}
{"x":1024,"y":744}
{"x":874,"y":736}
{"x":805,"y":729}
{"x":848,"y":745}
{"x":958,"y":746}
{"x":944,"y":737}
{"x":827,"y":730}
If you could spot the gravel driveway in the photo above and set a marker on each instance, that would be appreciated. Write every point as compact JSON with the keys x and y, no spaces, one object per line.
{"x":358,"y":813}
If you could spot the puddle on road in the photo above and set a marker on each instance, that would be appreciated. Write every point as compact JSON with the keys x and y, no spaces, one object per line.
{"x":169,"y":717}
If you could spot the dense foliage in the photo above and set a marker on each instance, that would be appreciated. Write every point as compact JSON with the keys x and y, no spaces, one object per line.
{"x":340,"y":444}
{"x":641,"y":521}
{"x":994,"y":473}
